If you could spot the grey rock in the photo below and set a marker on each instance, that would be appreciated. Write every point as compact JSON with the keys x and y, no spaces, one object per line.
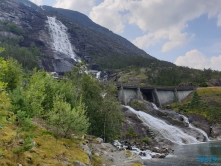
{"x":78,"y":163}
{"x":99,"y":140}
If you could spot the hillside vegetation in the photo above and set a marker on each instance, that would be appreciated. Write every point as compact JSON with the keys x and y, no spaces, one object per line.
{"x":78,"y":104}
{"x":205,"y":102}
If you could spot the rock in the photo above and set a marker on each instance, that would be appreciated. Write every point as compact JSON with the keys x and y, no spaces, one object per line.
{"x":216,"y":131}
{"x":187,"y":85}
{"x":87,"y":150}
{"x":78,"y":163}
{"x":158,"y":156}
{"x":99,"y":140}
{"x":96,"y":154}
{"x":215,"y":82}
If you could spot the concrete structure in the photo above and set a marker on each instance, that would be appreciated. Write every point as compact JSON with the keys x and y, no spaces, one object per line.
{"x":157,"y":95}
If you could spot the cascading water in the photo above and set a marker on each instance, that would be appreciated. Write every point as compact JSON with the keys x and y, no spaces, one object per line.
{"x":197,"y":129}
{"x":61,"y":42}
{"x":169,"y":132}
{"x":154,"y":106}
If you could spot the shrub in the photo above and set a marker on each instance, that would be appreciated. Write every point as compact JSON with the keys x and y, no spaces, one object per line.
{"x":146,"y":140}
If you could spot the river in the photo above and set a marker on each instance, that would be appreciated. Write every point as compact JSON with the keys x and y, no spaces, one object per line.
{"x":208,"y":153}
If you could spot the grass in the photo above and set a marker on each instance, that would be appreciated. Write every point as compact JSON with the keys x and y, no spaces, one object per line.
{"x":137,"y":164}
{"x":47,"y":150}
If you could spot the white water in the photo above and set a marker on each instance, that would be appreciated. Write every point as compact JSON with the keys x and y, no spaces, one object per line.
{"x":61,"y":42}
{"x":169,"y":132}
{"x":154,"y":106}
{"x":148,"y":153}
{"x":197,"y":129}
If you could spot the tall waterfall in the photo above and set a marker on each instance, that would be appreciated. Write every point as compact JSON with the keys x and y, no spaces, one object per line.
{"x":169,"y":132}
{"x":61,"y":42}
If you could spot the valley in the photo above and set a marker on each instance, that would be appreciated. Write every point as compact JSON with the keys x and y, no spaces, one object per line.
{"x":74,"y":93}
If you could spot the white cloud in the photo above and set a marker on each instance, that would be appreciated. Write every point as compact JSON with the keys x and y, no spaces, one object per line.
{"x":83,"y":6}
{"x":171,"y":16}
{"x":37,"y":2}
{"x":196,"y":59}
{"x":108,"y":15}
{"x":160,"y":20}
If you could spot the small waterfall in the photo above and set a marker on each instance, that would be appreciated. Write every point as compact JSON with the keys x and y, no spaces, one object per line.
{"x":197,"y":129}
{"x":169,"y":132}
{"x":154,"y":106}
{"x":61,"y":42}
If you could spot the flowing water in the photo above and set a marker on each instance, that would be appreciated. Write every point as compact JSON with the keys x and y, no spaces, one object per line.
{"x":169,"y":132}
{"x":61,"y":42}
{"x":208,"y":153}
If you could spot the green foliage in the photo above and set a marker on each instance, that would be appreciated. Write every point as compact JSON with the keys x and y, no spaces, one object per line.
{"x":24,"y":121}
{"x":195,"y":101}
{"x":131,"y":132}
{"x":205,"y":102}
{"x":137,"y":105}
{"x":175,"y":98}
{"x":146,"y":140}
{"x":11,"y":73}
{"x":2,"y":49}
{"x":203,"y":84}
{"x":102,"y":107}
{"x":66,"y":120}
{"x":11,"y":27}
{"x":28,"y":58}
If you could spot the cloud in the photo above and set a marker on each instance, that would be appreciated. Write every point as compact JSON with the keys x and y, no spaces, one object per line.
{"x":160,"y":20}
{"x":83,"y":6}
{"x":219,"y":20}
{"x":37,"y":2}
{"x":155,"y":16}
{"x":196,"y":59}
{"x":108,"y":15}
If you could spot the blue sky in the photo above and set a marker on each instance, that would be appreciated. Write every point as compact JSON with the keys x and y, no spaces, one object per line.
{"x":184,"y":32}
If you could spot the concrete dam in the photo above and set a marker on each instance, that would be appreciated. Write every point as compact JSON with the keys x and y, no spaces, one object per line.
{"x":157,"y":95}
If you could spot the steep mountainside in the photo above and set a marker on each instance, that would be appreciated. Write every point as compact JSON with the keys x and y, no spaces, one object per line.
{"x":65,"y":37}
{"x":88,"y":40}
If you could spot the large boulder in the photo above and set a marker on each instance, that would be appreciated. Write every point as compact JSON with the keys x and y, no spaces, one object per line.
{"x":215,"y":82}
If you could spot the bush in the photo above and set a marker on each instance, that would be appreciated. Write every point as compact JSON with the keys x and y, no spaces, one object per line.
{"x":137,"y":105}
{"x":146,"y":140}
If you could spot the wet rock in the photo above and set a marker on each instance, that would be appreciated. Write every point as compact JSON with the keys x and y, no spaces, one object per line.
{"x":158,"y":156}
{"x":216,"y":131}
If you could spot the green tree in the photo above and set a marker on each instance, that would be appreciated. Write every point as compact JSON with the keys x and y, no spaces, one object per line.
{"x":195,"y":101}
{"x":66,"y":120}
{"x":2,"y":49}
{"x":102,"y":107}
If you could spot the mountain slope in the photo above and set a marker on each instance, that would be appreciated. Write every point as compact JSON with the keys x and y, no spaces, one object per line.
{"x":88,"y":40}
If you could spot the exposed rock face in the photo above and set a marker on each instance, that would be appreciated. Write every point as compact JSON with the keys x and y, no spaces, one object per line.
{"x":216,"y":132}
{"x":200,"y":122}
{"x":187,"y":85}
{"x":87,"y":38}
{"x":215,"y":82}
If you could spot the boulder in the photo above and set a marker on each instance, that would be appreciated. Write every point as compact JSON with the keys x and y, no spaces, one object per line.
{"x":99,"y":140}
{"x":215,"y":82}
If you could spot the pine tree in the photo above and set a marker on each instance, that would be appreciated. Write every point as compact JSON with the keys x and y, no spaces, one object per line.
{"x":195,"y":102}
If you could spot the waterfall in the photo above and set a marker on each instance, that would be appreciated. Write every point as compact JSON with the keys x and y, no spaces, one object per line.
{"x":61,"y":42}
{"x":154,"y":106}
{"x":169,"y":132}
{"x":197,"y":129}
